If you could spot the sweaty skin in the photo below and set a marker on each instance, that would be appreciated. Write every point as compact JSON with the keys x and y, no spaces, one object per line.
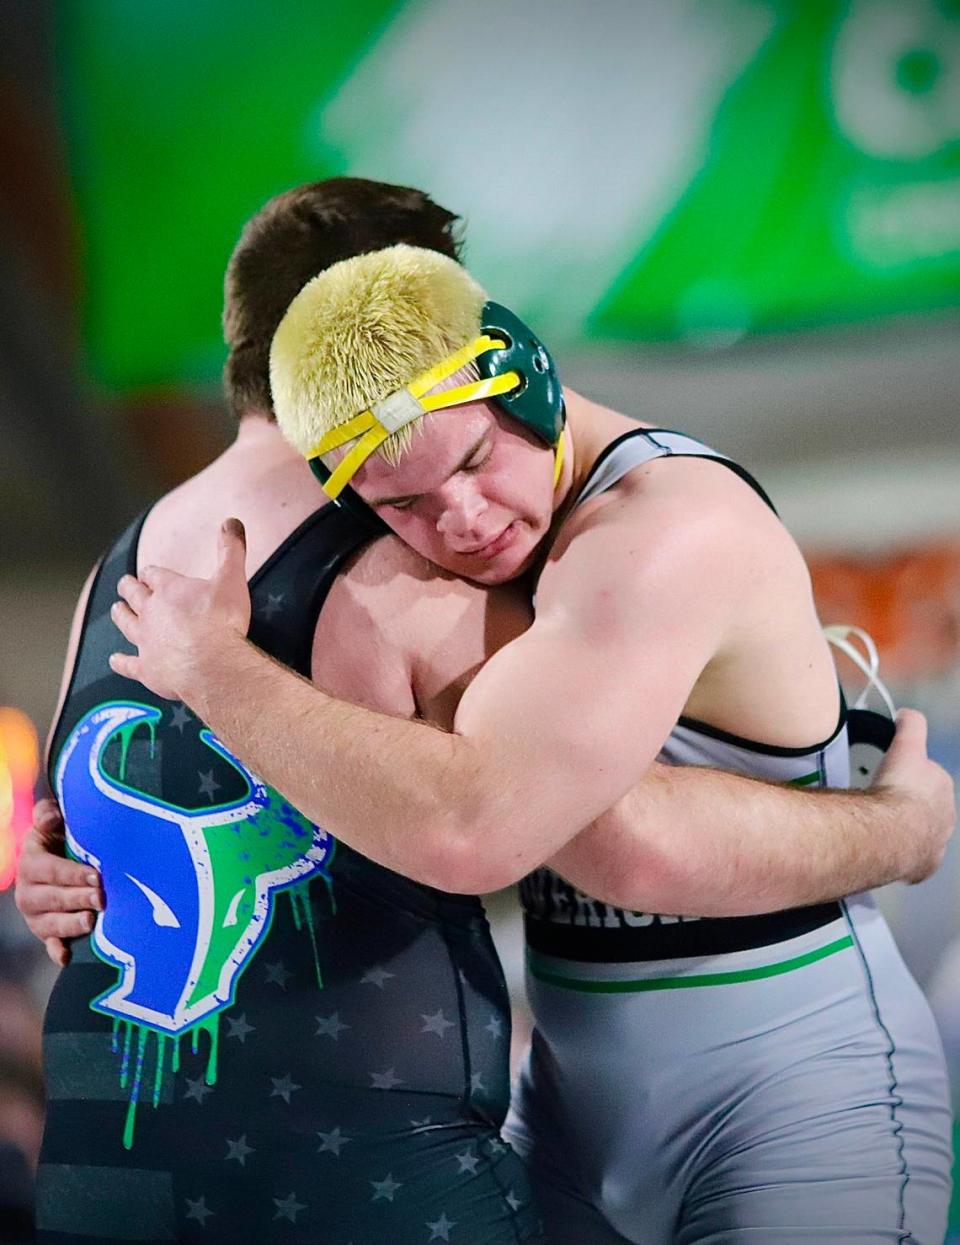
{"x":675,"y":592}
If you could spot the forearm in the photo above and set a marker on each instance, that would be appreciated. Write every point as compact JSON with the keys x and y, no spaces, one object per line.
{"x":698,"y":842}
{"x":396,"y":790}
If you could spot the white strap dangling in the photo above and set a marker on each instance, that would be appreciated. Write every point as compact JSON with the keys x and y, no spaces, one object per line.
{"x":869,"y":665}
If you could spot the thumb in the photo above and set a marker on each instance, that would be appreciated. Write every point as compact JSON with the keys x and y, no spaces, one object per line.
{"x":909,"y":745}
{"x":911,"y":732}
{"x":232,"y":550}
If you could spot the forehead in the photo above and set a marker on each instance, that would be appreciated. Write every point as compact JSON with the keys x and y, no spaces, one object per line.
{"x":440,"y":440}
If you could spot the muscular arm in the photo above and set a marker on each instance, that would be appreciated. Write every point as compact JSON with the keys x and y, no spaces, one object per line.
{"x":700,"y":842}
{"x":555,"y":729}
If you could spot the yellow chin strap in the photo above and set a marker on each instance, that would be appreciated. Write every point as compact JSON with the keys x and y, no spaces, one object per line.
{"x":410,"y":403}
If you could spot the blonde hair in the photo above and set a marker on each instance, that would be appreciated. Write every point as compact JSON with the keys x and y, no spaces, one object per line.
{"x":363,"y":329}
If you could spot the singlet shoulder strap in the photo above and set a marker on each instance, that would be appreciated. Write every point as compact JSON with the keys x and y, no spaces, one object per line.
{"x":97,"y":636}
{"x":633,"y":449}
{"x":288,"y":591}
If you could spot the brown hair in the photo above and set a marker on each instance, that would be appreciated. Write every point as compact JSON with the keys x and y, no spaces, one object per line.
{"x":291,"y":239}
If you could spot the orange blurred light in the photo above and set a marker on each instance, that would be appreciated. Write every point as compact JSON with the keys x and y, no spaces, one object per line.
{"x":19,"y":766}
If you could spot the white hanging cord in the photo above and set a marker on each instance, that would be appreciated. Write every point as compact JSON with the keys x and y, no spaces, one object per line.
{"x":839,"y":636}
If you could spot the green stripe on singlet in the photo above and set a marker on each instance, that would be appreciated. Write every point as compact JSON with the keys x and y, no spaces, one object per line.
{"x":586,"y":986}
{"x":805,"y":780}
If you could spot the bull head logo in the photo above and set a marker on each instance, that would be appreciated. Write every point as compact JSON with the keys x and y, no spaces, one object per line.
{"x":190,"y":893}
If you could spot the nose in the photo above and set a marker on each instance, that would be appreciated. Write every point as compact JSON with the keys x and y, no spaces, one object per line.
{"x":463,"y":507}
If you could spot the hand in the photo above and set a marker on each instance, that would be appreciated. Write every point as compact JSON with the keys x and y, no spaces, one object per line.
{"x":57,"y":898}
{"x":174,"y":620}
{"x":930,"y":806}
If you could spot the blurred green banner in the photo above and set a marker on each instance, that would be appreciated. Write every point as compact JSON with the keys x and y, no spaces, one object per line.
{"x":689,"y":170}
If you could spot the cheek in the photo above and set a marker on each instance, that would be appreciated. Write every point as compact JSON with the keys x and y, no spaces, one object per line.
{"x":415,"y":530}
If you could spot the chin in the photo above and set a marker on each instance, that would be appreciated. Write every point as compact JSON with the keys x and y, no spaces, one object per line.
{"x":510,"y":564}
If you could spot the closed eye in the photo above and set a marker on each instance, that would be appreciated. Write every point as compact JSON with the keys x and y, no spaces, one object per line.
{"x":478,"y":460}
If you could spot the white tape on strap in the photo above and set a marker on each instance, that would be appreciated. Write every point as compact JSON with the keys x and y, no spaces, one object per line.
{"x":397,"y":410}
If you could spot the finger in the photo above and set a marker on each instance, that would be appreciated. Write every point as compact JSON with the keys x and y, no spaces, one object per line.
{"x":134,"y":591}
{"x":125,"y":665}
{"x":41,"y":867}
{"x":47,"y":816}
{"x":58,"y":951}
{"x":62,"y":925}
{"x":232,"y":550}
{"x":156,"y":577}
{"x":41,"y":900}
{"x":126,"y":622}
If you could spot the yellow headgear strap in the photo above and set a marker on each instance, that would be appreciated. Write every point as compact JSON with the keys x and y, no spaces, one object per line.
{"x":410,"y":403}
{"x":558,"y":454}
{"x":407,"y":404}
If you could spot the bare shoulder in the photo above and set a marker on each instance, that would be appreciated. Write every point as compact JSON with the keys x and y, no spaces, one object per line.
{"x":676,"y":526}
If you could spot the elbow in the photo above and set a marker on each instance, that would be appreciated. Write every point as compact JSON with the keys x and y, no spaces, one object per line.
{"x":464,"y":856}
{"x":465,"y":864}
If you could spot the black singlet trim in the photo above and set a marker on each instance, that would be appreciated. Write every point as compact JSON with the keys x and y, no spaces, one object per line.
{"x":135,"y":529}
{"x":753,"y":745}
{"x":650,"y":434}
{"x":311,"y":608}
{"x":262,"y":569}
{"x":316,"y":516}
{"x":866,"y":726}
{"x":694,"y":724}
{"x":707,"y":936}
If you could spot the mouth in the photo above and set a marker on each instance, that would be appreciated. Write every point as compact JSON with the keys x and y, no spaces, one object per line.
{"x":495,"y":546}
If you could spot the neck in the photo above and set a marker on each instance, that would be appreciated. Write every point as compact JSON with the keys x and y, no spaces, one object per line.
{"x":258,"y":434}
{"x":590,"y":429}
{"x":256,"y":426}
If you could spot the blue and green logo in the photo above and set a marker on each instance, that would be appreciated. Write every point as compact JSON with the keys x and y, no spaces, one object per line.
{"x":190,"y":892}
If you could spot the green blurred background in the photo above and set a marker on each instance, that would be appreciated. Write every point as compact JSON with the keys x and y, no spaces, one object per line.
{"x":714,"y":170}
{"x":738,"y":217}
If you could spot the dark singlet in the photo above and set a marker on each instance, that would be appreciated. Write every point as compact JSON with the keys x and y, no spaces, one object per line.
{"x":267,"y":1037}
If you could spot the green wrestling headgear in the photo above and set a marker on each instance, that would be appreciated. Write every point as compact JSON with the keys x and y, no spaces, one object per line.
{"x":377,"y":334}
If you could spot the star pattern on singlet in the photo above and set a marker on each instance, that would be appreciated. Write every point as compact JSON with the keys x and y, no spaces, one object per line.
{"x":467,"y":1162}
{"x":283,"y":1087}
{"x":330,"y":1026}
{"x":437,"y":1023}
{"x":278,"y":974}
{"x":238,"y":1028}
{"x":208,"y":784}
{"x":386,"y":1188}
{"x":198,"y":1089}
{"x":273,"y":605}
{"x":239,"y":1150}
{"x":288,"y":1207}
{"x":376,"y":976}
{"x":385,"y":1080}
{"x":332,"y":1142}
{"x":199,"y":1211}
{"x":440,"y":1230}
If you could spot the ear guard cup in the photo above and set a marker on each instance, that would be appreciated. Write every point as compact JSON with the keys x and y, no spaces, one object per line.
{"x":538,"y":403}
